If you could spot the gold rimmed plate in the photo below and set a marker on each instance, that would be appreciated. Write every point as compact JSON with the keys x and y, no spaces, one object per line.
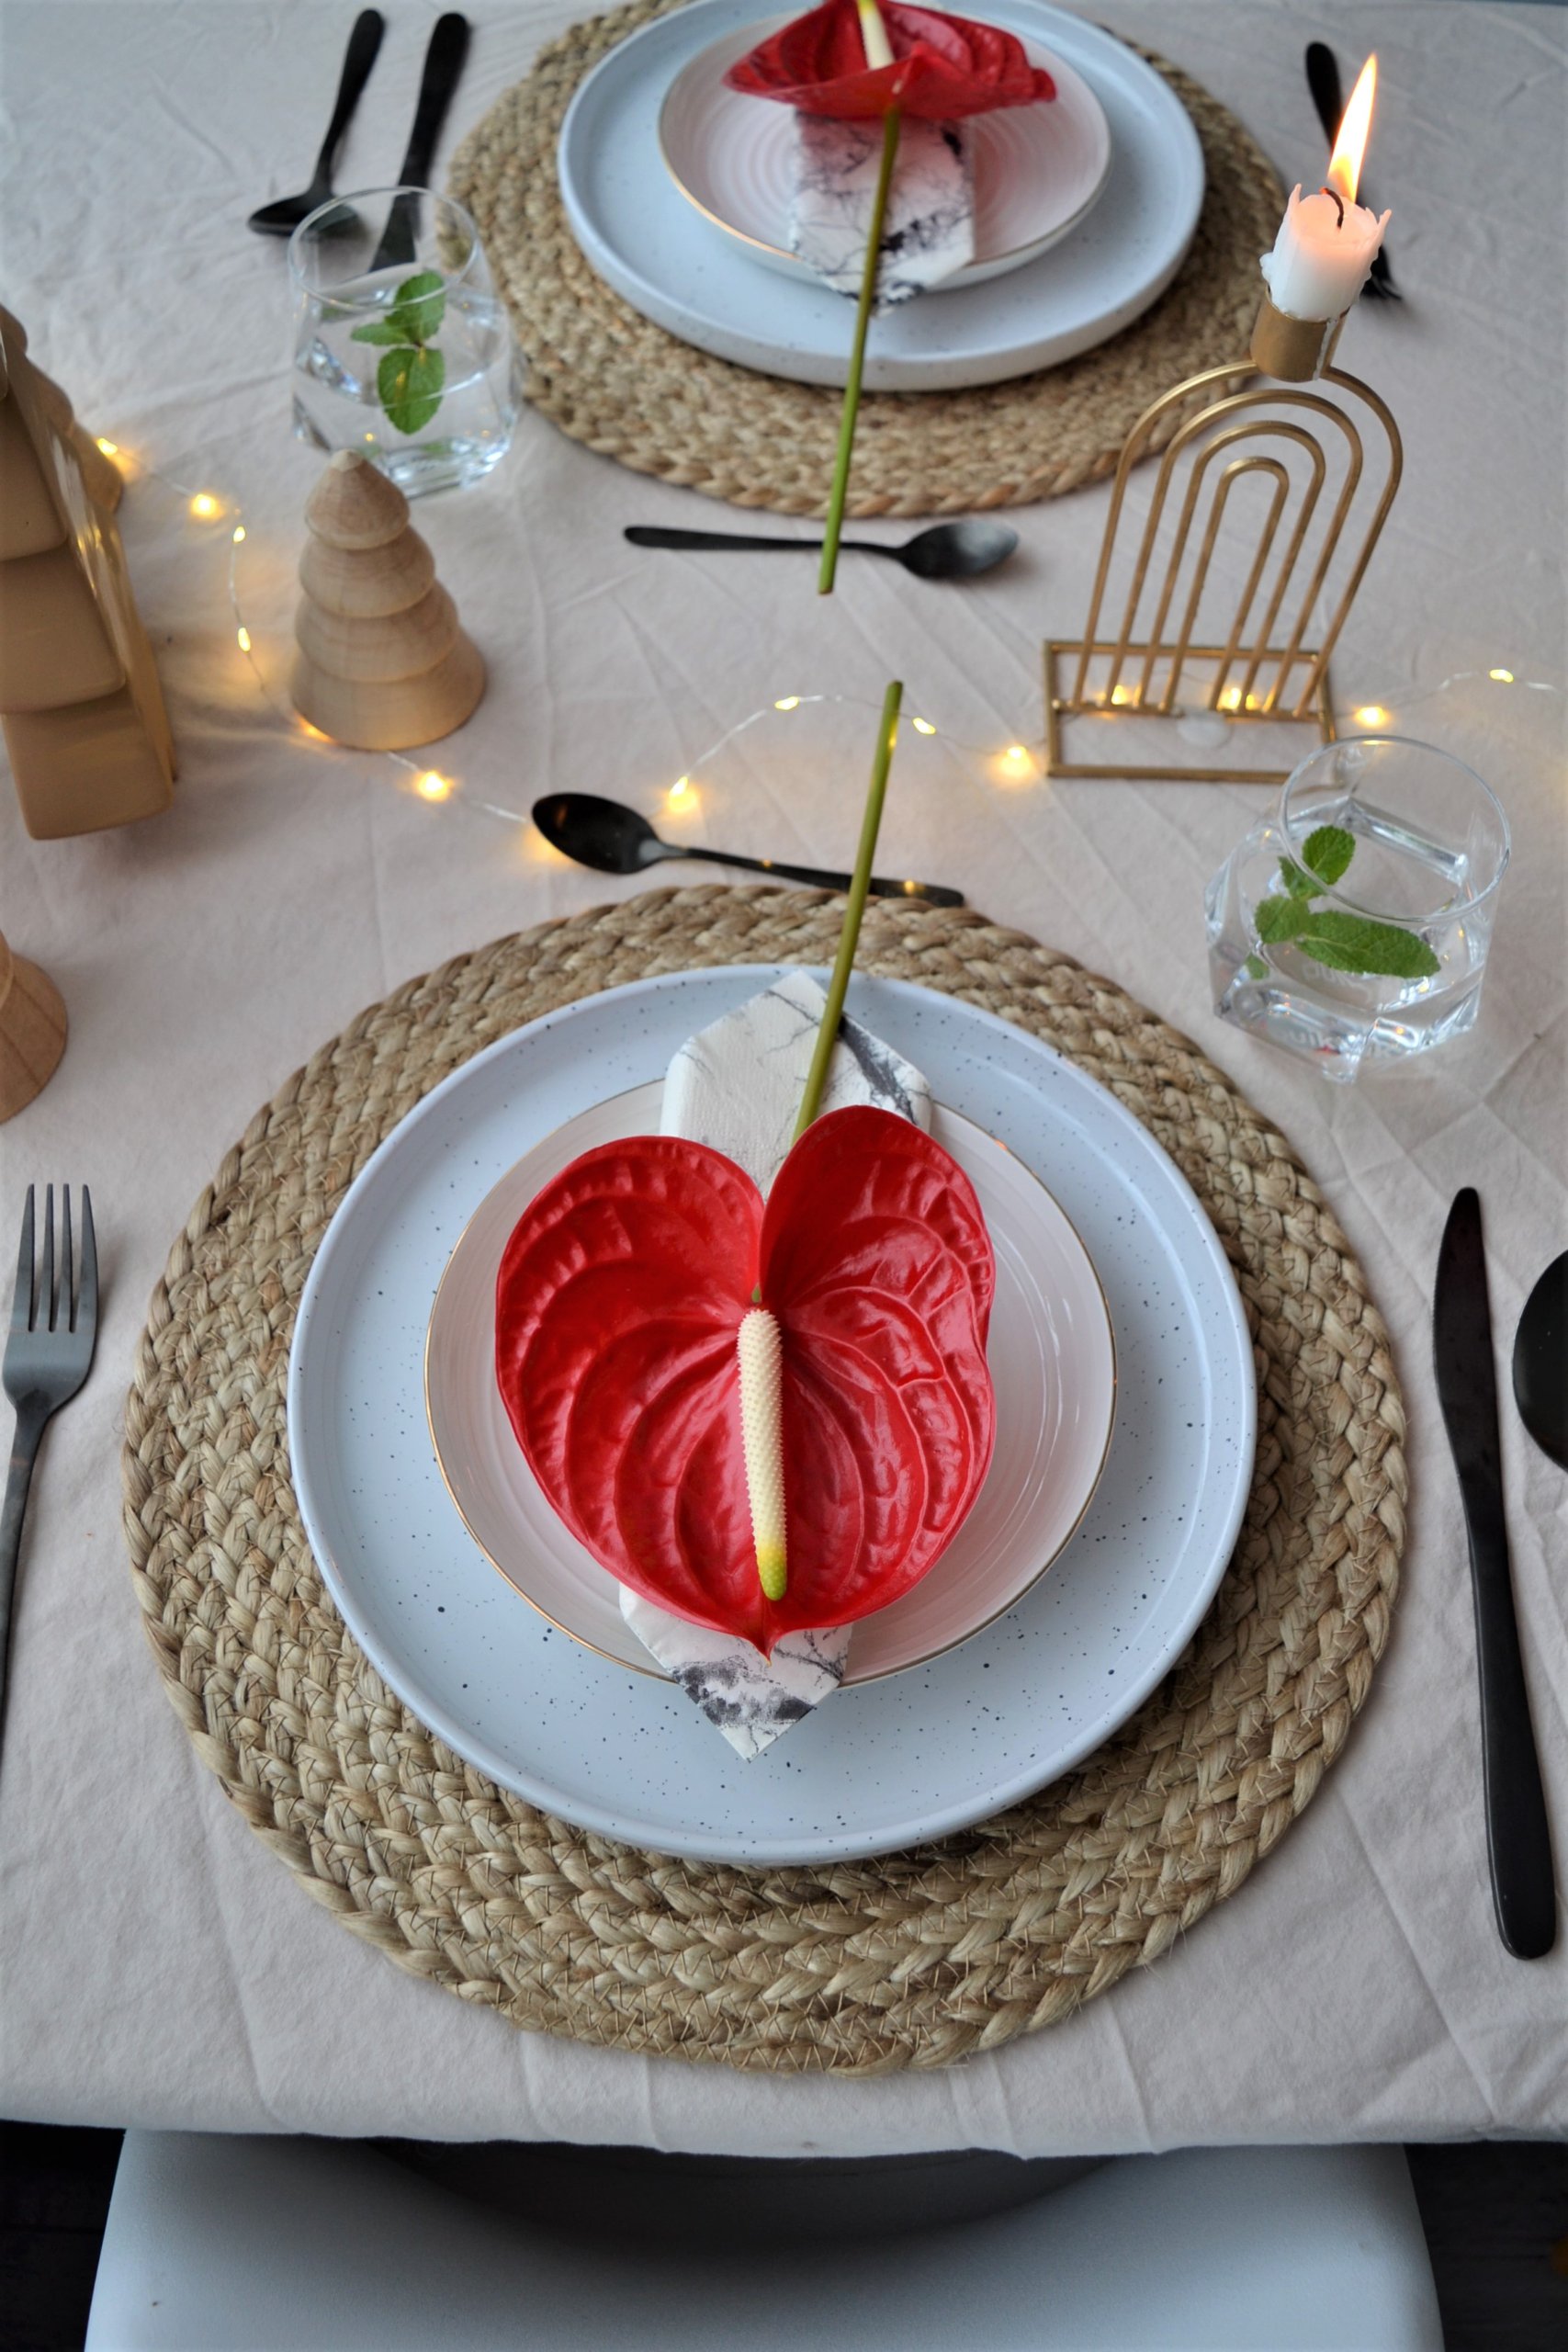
{"x":1053,"y":1364}
{"x":909,"y":1756}
{"x":1038,"y":170}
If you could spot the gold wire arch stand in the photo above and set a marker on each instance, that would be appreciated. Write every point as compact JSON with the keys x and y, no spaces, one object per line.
{"x":1262,"y":672}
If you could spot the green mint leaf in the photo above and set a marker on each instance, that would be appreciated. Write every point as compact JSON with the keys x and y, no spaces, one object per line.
{"x":1256,"y":969}
{"x":1278,"y":919}
{"x":1328,"y":851}
{"x":1348,"y":942}
{"x":1297,"y":880}
{"x":381,"y":330}
{"x":410,"y":384}
{"x":422,"y":301}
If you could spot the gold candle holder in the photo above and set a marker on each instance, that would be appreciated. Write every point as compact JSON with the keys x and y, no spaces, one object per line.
{"x":1263,"y":672}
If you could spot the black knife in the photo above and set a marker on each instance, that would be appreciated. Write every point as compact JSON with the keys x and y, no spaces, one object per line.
{"x":443,"y":65}
{"x":1517,"y":1840}
{"x":1323,"y":81}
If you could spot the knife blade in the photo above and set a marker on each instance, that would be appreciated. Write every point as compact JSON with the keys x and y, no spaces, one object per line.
{"x":1518,"y":1843}
{"x":1323,"y":81}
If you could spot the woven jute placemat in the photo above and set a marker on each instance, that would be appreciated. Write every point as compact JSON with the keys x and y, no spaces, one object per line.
{"x":611,"y":378}
{"x":861,"y":1967}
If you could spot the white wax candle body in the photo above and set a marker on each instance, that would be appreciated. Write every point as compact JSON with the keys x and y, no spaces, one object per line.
{"x":1320,"y":262}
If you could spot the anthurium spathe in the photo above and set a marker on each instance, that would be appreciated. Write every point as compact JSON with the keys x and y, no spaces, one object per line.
{"x":944,"y":67}
{"x":619,"y":1305}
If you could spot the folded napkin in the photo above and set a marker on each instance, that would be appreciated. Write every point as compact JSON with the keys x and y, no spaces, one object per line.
{"x":930,"y":227}
{"x":736,"y":1085}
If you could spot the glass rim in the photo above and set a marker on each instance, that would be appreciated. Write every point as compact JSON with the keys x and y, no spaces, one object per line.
{"x":367,"y":196}
{"x":1430,"y":751}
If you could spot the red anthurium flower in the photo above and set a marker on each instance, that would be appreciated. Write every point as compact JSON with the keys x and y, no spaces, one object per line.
{"x":944,"y":67}
{"x":619,"y":1300}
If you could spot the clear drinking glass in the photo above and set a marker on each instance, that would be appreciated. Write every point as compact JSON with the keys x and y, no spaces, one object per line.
{"x":1351,"y":925}
{"x":411,"y":361}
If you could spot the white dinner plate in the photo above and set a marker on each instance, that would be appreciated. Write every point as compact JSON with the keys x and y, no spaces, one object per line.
{"x":647,"y":240}
{"x":909,"y":1757}
{"x":1053,"y":1366}
{"x":1036,"y":169}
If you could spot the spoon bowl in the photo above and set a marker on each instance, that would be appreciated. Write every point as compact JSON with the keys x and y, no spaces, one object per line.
{"x":1540,"y":1362}
{"x":957,"y":551}
{"x":282,"y":217}
{"x":603,"y":834}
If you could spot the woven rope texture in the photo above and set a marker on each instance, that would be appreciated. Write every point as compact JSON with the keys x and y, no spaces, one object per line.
{"x":911,"y":1959}
{"x":612,"y":378}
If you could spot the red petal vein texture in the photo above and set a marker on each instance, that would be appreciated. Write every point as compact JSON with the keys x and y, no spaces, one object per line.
{"x":618,"y":1302}
{"x":944,"y":67}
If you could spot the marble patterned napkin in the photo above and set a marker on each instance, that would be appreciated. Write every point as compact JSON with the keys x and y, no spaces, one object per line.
{"x":736,"y":1085}
{"x":930,"y":229}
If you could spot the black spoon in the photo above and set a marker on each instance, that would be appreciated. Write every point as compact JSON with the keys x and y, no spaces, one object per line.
{"x":1540,"y":1362}
{"x":281,"y":219}
{"x":615,"y":840}
{"x":945,"y":551}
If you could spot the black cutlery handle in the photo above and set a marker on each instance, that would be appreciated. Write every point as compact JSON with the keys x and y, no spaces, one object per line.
{"x":443,"y":65}
{"x":1323,"y":81}
{"x":1519,"y":1842}
{"x":935,"y":894}
{"x":656,"y":534}
{"x":364,"y":42}
{"x":659,"y":535}
{"x":30,"y":1418}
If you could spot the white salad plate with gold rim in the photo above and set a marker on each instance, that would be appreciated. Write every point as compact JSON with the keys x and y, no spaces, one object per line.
{"x":651,"y":243}
{"x":1053,"y":1362}
{"x":1036,"y":169}
{"x":908,"y":1756}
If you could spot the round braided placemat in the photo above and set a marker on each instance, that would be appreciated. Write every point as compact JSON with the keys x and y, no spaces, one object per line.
{"x":912,"y":1959}
{"x":611,"y":378}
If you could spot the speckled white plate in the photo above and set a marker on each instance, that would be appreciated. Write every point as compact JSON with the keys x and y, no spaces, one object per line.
{"x":1052,"y":1364}
{"x":914,"y":1755}
{"x":1036,"y":169}
{"x":643,"y":238}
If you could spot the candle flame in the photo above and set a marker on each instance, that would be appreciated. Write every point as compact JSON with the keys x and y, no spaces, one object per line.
{"x":1345,"y":163}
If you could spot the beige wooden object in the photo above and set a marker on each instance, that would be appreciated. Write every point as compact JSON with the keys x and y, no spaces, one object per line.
{"x":383,"y":663}
{"x":84,"y":716}
{"x":32,"y":1031}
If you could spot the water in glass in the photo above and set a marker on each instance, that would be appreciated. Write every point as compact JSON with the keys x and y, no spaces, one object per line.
{"x":337,"y":406}
{"x":1429,"y":846}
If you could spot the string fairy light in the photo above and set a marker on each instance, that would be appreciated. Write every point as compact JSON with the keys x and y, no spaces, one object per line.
{"x":1013,"y":764}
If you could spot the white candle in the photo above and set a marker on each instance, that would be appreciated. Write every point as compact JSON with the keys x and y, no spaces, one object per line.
{"x":1327,"y":243}
{"x":1321,"y":257}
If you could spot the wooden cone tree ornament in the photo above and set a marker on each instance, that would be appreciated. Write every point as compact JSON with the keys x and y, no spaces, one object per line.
{"x":383,"y":663}
{"x":82,"y":713}
{"x":32,"y":1031}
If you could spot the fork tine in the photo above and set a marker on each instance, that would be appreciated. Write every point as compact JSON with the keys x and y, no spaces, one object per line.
{"x":87,"y":1297}
{"x":44,"y":1310}
{"x":22,"y":1298}
{"x":67,"y":1290}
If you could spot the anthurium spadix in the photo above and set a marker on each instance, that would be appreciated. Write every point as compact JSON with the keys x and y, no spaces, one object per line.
{"x":648,"y":1282}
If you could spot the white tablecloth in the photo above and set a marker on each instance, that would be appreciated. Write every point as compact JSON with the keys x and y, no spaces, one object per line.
{"x":159,"y":1967}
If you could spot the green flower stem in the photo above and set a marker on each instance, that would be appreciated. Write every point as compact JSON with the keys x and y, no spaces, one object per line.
{"x":849,"y":938}
{"x":850,"y":410}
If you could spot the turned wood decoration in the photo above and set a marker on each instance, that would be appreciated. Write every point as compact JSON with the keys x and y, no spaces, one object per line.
{"x":32,"y":1031}
{"x":383,"y":662}
{"x":84,"y":716}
